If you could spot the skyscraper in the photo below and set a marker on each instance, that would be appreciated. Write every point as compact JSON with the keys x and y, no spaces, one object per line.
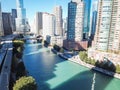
{"x":87,"y":8}
{"x":14,"y":16}
{"x":58,"y":18}
{"x":38,"y":23}
{"x":93,"y":19}
{"x":75,"y":20}
{"x":75,"y":26}
{"x":21,"y":21}
{"x":48,"y":25}
{"x":1,"y":23}
{"x":7,"y":23}
{"x":107,"y":35}
{"x":64,"y":26}
{"x":93,"y":27}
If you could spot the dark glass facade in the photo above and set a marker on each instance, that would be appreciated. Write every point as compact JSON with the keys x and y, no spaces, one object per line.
{"x":86,"y":18}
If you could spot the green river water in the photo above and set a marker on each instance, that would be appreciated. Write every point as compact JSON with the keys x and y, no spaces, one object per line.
{"x":53,"y":73}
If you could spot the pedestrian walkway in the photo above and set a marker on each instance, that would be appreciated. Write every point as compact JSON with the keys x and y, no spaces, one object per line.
{"x":6,"y":69}
{"x":2,"y":54}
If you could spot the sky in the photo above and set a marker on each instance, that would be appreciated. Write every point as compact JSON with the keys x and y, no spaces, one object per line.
{"x":33,"y":6}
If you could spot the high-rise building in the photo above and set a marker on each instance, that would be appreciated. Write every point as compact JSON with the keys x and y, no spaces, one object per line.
{"x":14,"y":16}
{"x":93,"y":19}
{"x":75,"y":21}
{"x":21,"y":20}
{"x":93,"y":26}
{"x":48,"y":25}
{"x":1,"y":23}
{"x":116,"y":25}
{"x":58,"y":18}
{"x":107,"y":35}
{"x":87,"y":8}
{"x":38,"y":23}
{"x":75,"y":26}
{"x":7,"y":23}
{"x":64,"y":27}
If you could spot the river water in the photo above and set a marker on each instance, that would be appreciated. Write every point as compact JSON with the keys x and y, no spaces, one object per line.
{"x":53,"y":73}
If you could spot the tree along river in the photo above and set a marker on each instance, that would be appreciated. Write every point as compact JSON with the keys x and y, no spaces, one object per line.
{"x":53,"y":73}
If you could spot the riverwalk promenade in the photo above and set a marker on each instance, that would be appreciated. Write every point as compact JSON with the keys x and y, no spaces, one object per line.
{"x":6,"y":69}
{"x":6,"y":61}
{"x":77,"y":60}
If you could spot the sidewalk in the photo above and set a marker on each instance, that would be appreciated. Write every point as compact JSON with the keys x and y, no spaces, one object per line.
{"x":77,"y":60}
{"x":2,"y":53}
{"x":6,"y":69}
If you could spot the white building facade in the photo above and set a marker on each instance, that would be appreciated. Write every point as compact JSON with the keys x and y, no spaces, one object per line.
{"x":48,"y":25}
{"x":38,"y":23}
{"x":58,"y":18}
{"x":64,"y":27}
{"x":107,"y":35}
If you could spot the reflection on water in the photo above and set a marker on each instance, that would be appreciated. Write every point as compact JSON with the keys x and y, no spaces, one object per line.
{"x":54,"y":73}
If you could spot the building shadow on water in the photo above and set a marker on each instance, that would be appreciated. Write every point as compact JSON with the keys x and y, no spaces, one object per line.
{"x":81,"y":81}
{"x":53,"y":73}
{"x":87,"y":80}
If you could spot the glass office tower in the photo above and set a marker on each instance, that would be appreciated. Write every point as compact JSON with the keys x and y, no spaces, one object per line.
{"x":21,"y":21}
{"x":75,"y":20}
{"x":86,"y":27}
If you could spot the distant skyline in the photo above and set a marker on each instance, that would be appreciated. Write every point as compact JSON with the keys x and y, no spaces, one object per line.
{"x":33,"y":6}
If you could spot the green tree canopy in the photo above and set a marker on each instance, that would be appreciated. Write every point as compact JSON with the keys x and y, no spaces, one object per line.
{"x":83,"y":55}
{"x":18,"y":43}
{"x":25,"y":83}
